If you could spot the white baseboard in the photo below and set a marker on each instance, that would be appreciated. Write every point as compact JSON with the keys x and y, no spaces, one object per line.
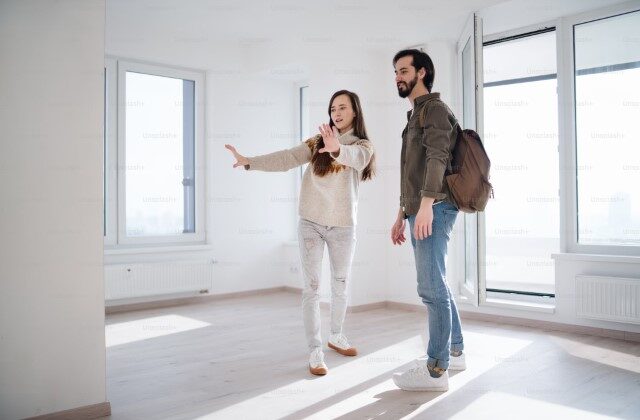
{"x":547,"y":325}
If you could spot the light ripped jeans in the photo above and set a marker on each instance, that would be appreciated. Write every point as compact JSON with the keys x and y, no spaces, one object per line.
{"x":341,"y":242}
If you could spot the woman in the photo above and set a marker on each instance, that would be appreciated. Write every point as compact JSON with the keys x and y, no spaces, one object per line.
{"x":340,"y":157}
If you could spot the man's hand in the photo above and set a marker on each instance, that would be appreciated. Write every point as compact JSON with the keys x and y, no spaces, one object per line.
{"x":240,"y":160}
{"x":330,"y":138}
{"x":424,"y":219}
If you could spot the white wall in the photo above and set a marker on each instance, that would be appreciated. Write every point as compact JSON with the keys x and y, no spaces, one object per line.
{"x":251,"y":103}
{"x":51,"y":293}
{"x":251,"y":214}
{"x":52,"y":346}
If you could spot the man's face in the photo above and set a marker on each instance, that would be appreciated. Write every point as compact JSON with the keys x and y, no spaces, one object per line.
{"x":406,"y":76}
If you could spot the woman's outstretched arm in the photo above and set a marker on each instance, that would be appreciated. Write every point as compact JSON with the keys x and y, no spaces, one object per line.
{"x":279,"y":161}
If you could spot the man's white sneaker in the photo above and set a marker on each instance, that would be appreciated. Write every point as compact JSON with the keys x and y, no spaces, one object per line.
{"x":316,"y":362}
{"x":457,"y":362}
{"x":418,"y":378}
{"x":339,"y":343}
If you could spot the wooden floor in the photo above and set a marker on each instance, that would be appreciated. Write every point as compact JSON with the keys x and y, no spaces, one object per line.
{"x":246,"y":358}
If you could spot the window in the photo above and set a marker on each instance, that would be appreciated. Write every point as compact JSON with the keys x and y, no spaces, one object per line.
{"x":607,"y":105}
{"x":159,"y":188}
{"x":565,"y":163}
{"x":159,"y":158}
{"x":304,"y":129}
{"x":521,"y":138}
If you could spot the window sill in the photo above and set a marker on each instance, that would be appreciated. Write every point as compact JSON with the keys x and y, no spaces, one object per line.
{"x":596,"y":258}
{"x":516,"y":304}
{"x":156,"y":249}
{"x":506,"y":303}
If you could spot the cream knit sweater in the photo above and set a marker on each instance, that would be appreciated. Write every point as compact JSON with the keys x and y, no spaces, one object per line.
{"x":330,"y":200}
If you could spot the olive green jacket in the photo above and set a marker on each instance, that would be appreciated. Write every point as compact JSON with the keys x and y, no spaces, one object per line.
{"x":426,"y":152}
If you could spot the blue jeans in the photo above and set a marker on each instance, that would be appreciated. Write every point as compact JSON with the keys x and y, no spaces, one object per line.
{"x":445,"y":332}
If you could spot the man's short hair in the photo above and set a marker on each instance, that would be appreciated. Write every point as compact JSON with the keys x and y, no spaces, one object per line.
{"x":421,"y":60}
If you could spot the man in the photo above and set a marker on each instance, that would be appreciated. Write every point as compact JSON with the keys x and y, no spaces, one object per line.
{"x":427,"y":142}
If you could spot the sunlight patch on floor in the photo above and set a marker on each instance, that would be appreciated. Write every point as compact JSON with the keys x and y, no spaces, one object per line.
{"x":599,"y":354}
{"x":337,"y":393}
{"x":142,"y":329}
{"x":479,"y":360}
{"x":499,"y":405}
{"x":310,"y":390}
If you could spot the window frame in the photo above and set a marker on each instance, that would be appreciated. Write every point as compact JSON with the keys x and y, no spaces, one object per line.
{"x":299,"y":103}
{"x":116,"y":237}
{"x":492,"y":295}
{"x":472,"y":249}
{"x":111,"y":152}
{"x":567,"y":159}
{"x":568,"y":148}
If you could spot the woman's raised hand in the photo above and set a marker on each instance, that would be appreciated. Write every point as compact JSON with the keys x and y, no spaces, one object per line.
{"x":240,"y":160}
{"x":330,"y":138}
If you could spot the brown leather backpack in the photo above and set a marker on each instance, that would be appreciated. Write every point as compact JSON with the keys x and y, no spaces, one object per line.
{"x":467,"y":176}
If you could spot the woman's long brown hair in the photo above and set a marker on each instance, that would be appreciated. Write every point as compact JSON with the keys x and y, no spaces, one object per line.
{"x":322,"y":162}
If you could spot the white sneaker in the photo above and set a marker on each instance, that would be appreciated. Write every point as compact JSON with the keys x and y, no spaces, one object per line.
{"x":457,"y":363}
{"x":316,"y":362}
{"x":418,"y":378}
{"x":339,"y":343}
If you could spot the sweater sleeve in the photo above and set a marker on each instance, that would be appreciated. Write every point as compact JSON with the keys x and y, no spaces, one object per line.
{"x":356,"y":155}
{"x":282,"y":160}
{"x":436,"y":140}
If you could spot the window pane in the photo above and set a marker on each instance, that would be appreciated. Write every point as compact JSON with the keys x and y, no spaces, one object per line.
{"x":305,"y":128}
{"x":104,"y":155}
{"x":159,"y":168}
{"x":305,"y":131}
{"x":468,"y":86}
{"x":521,"y":138}
{"x":607,"y":80}
{"x":189,"y":155}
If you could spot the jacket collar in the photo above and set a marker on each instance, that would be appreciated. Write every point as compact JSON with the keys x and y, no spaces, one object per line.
{"x":421,"y":99}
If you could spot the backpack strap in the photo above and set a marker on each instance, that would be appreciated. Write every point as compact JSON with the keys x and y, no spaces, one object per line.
{"x":422,"y":116}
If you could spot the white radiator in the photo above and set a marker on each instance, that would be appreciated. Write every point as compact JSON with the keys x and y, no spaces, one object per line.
{"x":153,"y":279}
{"x":608,"y":298}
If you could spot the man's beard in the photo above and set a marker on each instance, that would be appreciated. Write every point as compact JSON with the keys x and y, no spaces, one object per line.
{"x":407,"y":92}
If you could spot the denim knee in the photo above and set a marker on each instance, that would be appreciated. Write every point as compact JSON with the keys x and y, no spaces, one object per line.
{"x":429,"y":295}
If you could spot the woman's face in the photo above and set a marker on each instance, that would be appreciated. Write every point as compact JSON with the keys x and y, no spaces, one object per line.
{"x":342,"y":113}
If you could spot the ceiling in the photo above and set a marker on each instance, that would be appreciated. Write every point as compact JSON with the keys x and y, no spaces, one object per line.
{"x":167,"y":30}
